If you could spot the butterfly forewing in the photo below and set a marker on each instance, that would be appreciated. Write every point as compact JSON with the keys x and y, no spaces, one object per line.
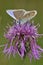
{"x":19,"y":14}
{"x":16,"y":14}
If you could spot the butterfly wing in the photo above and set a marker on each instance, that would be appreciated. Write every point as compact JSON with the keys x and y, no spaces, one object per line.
{"x":19,"y":13}
{"x":16,"y":14}
{"x":10,"y":12}
{"x":30,"y":14}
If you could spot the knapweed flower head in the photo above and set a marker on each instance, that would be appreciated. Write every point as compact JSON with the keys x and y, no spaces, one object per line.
{"x":23,"y":40}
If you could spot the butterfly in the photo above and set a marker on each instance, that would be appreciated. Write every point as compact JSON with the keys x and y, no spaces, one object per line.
{"x":21,"y":14}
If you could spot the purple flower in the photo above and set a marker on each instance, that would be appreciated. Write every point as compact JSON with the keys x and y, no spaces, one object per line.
{"x":23,"y":40}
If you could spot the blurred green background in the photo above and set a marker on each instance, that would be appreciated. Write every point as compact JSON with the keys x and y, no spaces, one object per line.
{"x":5,"y":18}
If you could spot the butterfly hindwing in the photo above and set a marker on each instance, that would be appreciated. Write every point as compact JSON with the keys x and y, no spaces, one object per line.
{"x":30,"y":14}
